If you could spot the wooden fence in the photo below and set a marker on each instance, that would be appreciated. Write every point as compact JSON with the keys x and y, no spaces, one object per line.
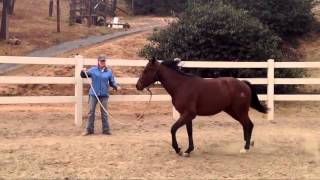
{"x":79,"y":98}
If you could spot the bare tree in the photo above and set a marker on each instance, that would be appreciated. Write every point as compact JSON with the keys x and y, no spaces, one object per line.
{"x":89,"y":6}
{"x":58,"y":16}
{"x":4,"y":32}
{"x":72,"y":13}
{"x":11,"y":6}
{"x":132,"y":7}
{"x":51,"y":8}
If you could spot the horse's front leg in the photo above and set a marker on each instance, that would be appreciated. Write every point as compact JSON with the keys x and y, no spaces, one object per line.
{"x":184,"y":118}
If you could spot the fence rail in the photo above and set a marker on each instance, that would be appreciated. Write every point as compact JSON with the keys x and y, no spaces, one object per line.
{"x":78,"y":62}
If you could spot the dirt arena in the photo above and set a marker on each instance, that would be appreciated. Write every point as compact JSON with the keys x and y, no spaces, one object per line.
{"x":41,"y":141}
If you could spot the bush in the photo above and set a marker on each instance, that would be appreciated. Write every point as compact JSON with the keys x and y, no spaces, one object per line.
{"x":285,"y":17}
{"x":216,"y":31}
{"x":158,"y":7}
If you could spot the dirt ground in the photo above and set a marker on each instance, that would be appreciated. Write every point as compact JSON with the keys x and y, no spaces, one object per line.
{"x":41,"y":141}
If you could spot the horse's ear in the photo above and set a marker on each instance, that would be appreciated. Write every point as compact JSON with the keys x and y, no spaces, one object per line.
{"x":177,"y":61}
{"x":152,"y":60}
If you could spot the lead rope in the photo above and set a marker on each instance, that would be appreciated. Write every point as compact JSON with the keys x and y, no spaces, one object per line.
{"x":141,"y":115}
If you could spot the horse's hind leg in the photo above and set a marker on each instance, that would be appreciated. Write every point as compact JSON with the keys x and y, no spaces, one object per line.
{"x":247,"y":131}
{"x":247,"y":126}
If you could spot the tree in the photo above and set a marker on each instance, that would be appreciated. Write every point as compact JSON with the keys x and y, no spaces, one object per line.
{"x":214,"y":31}
{"x":285,"y":17}
{"x":51,"y":8}
{"x":159,"y":7}
{"x":11,"y":6}
{"x":4,"y":32}
{"x":132,"y":7}
{"x":58,"y":16}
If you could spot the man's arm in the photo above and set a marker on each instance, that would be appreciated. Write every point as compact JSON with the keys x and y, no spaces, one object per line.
{"x":83,"y":75}
{"x":113,"y":83}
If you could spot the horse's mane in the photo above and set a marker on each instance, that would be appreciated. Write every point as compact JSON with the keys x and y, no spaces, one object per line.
{"x":174,"y":66}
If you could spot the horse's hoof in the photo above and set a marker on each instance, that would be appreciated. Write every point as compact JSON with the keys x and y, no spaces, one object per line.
{"x":243,"y":151}
{"x":252,"y":143}
{"x":186,"y":154}
{"x":180,"y":153}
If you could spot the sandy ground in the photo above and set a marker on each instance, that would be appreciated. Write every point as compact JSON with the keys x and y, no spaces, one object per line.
{"x":40,"y":141}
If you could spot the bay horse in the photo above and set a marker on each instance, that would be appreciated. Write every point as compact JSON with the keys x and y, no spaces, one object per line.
{"x":192,"y":95}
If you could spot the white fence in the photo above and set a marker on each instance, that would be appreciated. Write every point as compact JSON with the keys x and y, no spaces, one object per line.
{"x":79,"y":62}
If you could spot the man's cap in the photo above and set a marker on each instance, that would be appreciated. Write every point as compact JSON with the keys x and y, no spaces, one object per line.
{"x":102,"y":57}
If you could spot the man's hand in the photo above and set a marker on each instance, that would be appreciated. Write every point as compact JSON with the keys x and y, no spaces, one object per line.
{"x":118,"y":88}
{"x":84,"y":69}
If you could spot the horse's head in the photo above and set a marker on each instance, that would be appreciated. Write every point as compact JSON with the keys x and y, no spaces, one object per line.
{"x":149,"y":74}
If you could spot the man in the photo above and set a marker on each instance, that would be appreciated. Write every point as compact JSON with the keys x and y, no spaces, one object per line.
{"x":101,"y":77}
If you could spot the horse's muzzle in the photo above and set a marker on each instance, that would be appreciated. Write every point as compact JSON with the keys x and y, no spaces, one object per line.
{"x":139,"y":87}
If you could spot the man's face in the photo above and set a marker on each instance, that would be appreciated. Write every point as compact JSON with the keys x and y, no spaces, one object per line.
{"x":102,"y":63}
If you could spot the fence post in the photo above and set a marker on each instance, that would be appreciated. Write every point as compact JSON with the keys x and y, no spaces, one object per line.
{"x":78,"y":91}
{"x":270,"y":90}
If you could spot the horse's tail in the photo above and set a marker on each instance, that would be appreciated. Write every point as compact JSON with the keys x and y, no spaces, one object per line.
{"x":255,"y":103}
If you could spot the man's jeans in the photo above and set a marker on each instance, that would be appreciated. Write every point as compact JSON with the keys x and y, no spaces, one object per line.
{"x":91,"y":115}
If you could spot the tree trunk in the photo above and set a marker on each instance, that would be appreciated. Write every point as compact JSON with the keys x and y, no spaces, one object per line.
{"x":11,"y":6}
{"x":89,"y":6}
{"x":114,"y":7}
{"x":132,"y":7}
{"x":72,"y":14}
{"x":58,"y":16}
{"x":4,"y":32}
{"x":51,"y":8}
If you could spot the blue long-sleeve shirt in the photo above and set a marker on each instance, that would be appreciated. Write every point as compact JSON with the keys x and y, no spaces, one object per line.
{"x":101,"y":80}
